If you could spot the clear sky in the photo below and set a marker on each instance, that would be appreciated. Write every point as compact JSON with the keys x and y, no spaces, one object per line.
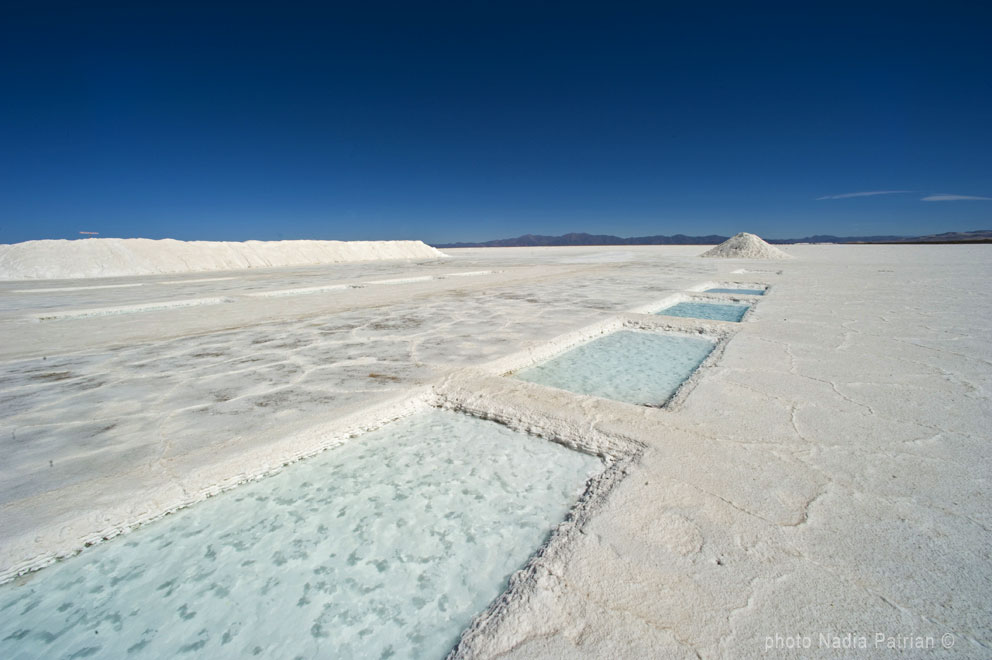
{"x":473,"y":121}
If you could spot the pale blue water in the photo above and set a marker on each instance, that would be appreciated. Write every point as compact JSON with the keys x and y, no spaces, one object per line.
{"x":384,"y":547}
{"x":643,"y":368}
{"x":749,"y":292}
{"x":702,"y":310}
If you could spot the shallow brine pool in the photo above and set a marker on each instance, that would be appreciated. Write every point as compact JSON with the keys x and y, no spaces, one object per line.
{"x":644,"y":368}
{"x":705,"y":310}
{"x":385,"y":546}
{"x":749,"y":292}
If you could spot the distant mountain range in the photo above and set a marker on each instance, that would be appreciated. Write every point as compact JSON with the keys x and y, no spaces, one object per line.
{"x":533,"y":240}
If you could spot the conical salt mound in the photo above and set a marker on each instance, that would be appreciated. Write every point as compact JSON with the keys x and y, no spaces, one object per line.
{"x":745,"y":246}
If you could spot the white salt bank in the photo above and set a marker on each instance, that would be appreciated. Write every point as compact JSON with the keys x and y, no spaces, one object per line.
{"x":745,"y":246}
{"x":121,"y":257}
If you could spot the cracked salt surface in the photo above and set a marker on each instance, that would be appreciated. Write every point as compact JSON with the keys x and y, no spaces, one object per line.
{"x":387,"y":544}
{"x":710,"y":311}
{"x":644,"y":368}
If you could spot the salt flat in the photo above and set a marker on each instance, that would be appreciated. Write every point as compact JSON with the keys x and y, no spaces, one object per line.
{"x":825,"y":479}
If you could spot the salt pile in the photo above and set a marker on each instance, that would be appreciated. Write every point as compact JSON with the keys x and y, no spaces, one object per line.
{"x":116,"y":257}
{"x":745,"y":246}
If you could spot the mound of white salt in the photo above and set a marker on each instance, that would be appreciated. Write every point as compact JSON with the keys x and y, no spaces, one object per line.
{"x":745,"y":246}
{"x":115,"y":257}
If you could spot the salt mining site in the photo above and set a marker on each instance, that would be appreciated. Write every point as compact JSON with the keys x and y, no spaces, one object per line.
{"x":225,"y":451}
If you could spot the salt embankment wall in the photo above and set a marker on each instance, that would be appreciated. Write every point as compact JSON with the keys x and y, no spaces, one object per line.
{"x":117,"y":257}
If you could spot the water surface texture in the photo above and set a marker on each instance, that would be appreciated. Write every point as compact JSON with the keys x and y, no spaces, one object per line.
{"x":705,"y":310}
{"x":384,"y":547}
{"x":749,"y":292}
{"x":643,"y":368}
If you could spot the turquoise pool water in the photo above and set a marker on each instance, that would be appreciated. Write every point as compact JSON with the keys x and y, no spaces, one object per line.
{"x":749,"y":292}
{"x":386,"y":546}
{"x":704,"y":310}
{"x":644,"y":368}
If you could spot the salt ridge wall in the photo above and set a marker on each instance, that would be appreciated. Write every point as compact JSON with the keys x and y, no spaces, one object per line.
{"x":115,"y":257}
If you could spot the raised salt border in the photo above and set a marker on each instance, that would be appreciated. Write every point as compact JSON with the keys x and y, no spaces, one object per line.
{"x":129,"y":309}
{"x":198,"y":280}
{"x":63,"y":289}
{"x":644,"y":368}
{"x":471,"y":273}
{"x":302,"y":291}
{"x":402,"y":280}
{"x":389,"y":544}
{"x":357,"y":285}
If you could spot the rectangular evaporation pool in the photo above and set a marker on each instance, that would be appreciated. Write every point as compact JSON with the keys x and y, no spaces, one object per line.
{"x":707,"y":310}
{"x":644,"y":368}
{"x":747,"y":292}
{"x":388,"y":544}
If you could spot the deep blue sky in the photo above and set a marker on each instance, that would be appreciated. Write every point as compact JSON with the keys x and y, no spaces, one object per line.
{"x":473,"y":121}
